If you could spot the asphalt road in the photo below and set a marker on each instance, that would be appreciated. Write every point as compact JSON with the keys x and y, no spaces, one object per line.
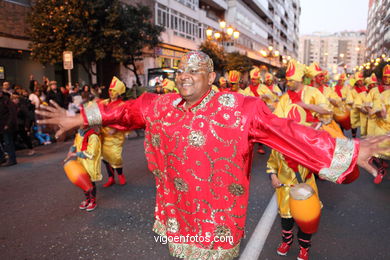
{"x":40,"y":219}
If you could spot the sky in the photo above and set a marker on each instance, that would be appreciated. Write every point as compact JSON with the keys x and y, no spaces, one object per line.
{"x":333,"y":15}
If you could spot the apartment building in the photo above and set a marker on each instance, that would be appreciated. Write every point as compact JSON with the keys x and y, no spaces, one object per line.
{"x":378,"y":29}
{"x":338,"y":52}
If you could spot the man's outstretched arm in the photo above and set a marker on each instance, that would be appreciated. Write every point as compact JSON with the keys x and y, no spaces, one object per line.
{"x":334,"y":159}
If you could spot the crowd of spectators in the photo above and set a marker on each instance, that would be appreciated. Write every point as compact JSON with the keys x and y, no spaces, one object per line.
{"x":18,"y":128}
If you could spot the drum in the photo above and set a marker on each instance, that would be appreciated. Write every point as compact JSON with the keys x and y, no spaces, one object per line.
{"x":305,"y":207}
{"x":77,"y":174}
{"x":342,"y":116}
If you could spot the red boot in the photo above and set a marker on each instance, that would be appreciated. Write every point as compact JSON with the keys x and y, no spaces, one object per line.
{"x":122,"y":179}
{"x":110,"y":182}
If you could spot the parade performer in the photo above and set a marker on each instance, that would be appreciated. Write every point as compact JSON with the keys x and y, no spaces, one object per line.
{"x":253,"y":89}
{"x":234,"y":78}
{"x":114,"y":138}
{"x":270,"y":90}
{"x":169,"y":86}
{"x":283,"y":174}
{"x":199,"y":146}
{"x":356,"y":99}
{"x":87,"y":149}
{"x":381,"y":109}
{"x":342,"y":112}
{"x":223,"y":87}
{"x":372,"y":97}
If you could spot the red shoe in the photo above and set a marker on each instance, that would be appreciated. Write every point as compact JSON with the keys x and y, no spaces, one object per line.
{"x":110,"y":182}
{"x":283,"y":248}
{"x":122,"y":179}
{"x":379,"y":177}
{"x":84,"y":204}
{"x":303,"y":253}
{"x":92,"y":205}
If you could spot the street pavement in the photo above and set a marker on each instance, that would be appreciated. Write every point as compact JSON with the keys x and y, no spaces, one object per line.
{"x":40,"y":219}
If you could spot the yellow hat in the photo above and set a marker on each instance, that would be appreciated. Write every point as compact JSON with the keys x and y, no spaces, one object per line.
{"x":117,"y":85}
{"x":295,"y":71}
{"x":386,"y":71}
{"x":314,"y":69}
{"x":268,"y":76}
{"x":222,"y":80}
{"x":234,"y":76}
{"x":168,"y":84}
{"x":359,"y":76}
{"x":341,"y":76}
{"x":255,"y":73}
{"x":371,"y":79}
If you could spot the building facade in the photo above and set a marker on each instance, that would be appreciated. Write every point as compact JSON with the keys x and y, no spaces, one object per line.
{"x":378,"y":29}
{"x":338,"y":52}
{"x":260,"y":23}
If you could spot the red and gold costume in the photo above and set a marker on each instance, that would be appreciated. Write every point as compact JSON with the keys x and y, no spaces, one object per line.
{"x":342,"y":112}
{"x":201,"y":159}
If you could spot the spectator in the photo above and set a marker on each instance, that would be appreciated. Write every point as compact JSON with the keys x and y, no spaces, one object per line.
{"x":54,"y":94}
{"x":23,"y":122}
{"x":7,"y":88}
{"x":35,"y":97}
{"x":86,"y":93}
{"x":8,"y":123}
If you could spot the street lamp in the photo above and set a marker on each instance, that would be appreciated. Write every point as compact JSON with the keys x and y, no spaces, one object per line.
{"x":270,"y":53}
{"x":227,"y":33}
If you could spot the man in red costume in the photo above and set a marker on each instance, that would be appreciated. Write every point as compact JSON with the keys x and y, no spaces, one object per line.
{"x":199,"y":146}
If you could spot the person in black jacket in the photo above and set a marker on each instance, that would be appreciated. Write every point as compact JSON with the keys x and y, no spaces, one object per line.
{"x":8,"y":124}
{"x":55,"y":94}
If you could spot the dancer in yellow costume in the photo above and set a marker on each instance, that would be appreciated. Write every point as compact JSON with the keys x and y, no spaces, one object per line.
{"x":372,"y":97}
{"x":87,"y":149}
{"x":381,"y":108}
{"x":312,"y":100}
{"x":253,"y":90}
{"x":113,"y":139}
{"x":234,"y":78}
{"x":283,"y":174}
{"x":342,"y":112}
{"x":223,"y":87}
{"x":169,"y":86}
{"x":356,"y":99}
{"x":270,"y":90}
{"x":318,"y":76}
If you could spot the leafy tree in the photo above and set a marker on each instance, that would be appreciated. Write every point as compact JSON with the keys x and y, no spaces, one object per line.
{"x":216,"y":53}
{"x":237,"y":61}
{"x":132,"y":34}
{"x":93,"y":30}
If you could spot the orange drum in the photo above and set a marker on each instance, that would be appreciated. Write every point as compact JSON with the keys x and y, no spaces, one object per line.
{"x":77,"y":174}
{"x":305,"y":207}
{"x":342,"y":116}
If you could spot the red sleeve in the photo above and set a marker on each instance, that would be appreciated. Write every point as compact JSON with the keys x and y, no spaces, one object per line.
{"x":129,"y":116}
{"x":333,"y":159}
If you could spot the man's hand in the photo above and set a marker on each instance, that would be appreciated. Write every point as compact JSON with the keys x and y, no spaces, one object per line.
{"x":275,"y":181}
{"x":370,"y":147}
{"x":68,"y":156}
{"x":56,"y":115}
